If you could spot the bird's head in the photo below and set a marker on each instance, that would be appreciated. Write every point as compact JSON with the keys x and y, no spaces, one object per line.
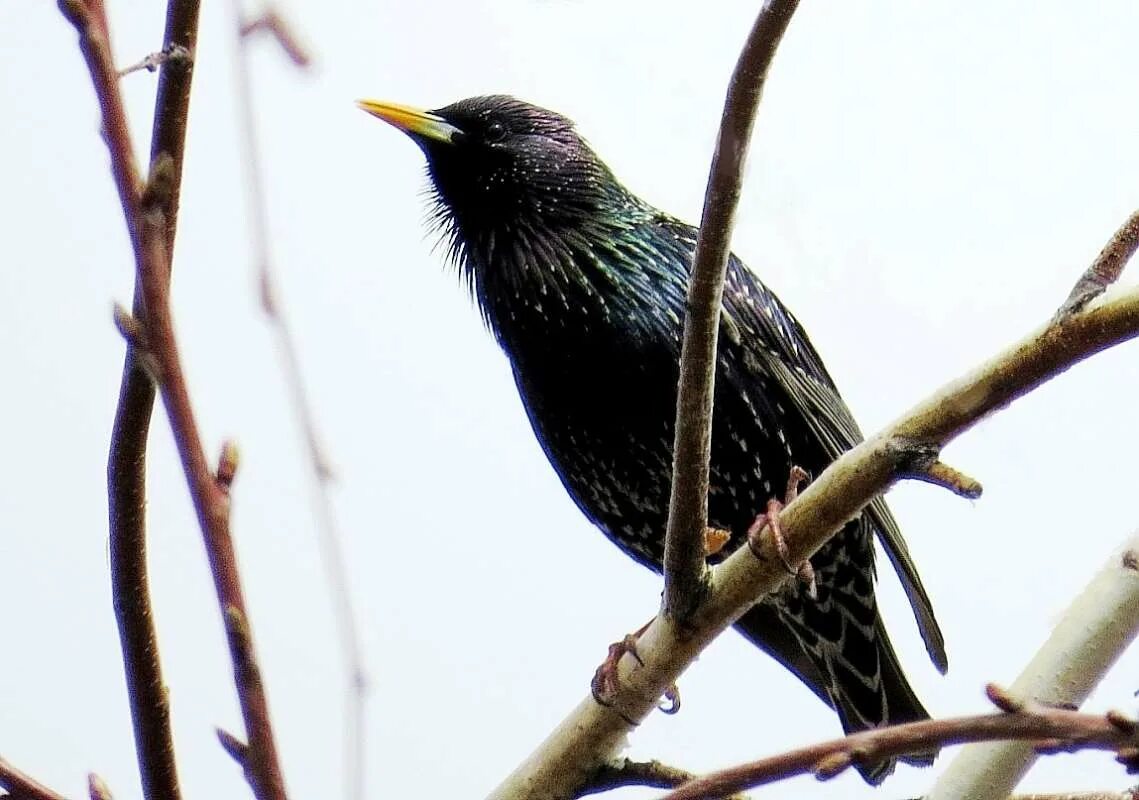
{"x":499,"y":165}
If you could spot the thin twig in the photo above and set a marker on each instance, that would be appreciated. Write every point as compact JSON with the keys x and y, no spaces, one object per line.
{"x":24,"y":787}
{"x":97,"y":788}
{"x":151,"y":221}
{"x":126,"y":463}
{"x":626,"y":772}
{"x":685,"y":572}
{"x":211,"y":500}
{"x":275,"y":25}
{"x":153,"y":61}
{"x":1107,"y":267}
{"x":1061,"y":729}
{"x":329,"y":537}
{"x":591,"y":733}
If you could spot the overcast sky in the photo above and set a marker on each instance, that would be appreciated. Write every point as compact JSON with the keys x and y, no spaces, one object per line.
{"x":927,"y":181}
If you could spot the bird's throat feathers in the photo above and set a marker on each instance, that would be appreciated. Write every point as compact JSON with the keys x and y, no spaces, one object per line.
{"x":545,"y":274}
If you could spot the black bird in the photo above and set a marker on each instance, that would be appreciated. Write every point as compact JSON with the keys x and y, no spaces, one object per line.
{"x":583,"y":285}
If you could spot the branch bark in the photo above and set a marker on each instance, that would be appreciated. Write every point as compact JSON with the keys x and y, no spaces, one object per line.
{"x":151,"y":217}
{"x":23,"y":787}
{"x":591,"y":734}
{"x":685,"y":571}
{"x":1055,"y":729}
{"x":1094,"y":631}
{"x":211,"y":498}
{"x":1107,"y":267}
{"x":126,"y":465}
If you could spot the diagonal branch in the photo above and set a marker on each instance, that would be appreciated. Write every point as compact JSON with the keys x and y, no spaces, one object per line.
{"x":1053,"y":729}
{"x":685,"y":573}
{"x":1095,"y":629}
{"x":626,"y":772}
{"x":23,"y":787}
{"x":591,"y":734}
{"x":210,"y":495}
{"x":1106,"y":268}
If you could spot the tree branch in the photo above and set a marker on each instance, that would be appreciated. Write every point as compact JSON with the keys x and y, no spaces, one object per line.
{"x":626,"y":772}
{"x":685,"y":572}
{"x":1051,"y":728}
{"x":23,"y":787}
{"x":126,"y":463}
{"x":1107,"y":267}
{"x":211,"y":498}
{"x":328,"y":533}
{"x":1097,"y":627}
{"x":150,"y":221}
{"x":591,"y":734}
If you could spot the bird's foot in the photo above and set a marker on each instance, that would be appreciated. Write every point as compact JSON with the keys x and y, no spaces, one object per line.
{"x":604,"y":685}
{"x":770,"y":518}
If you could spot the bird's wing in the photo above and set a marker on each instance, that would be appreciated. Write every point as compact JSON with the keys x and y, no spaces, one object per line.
{"x":795,"y":364}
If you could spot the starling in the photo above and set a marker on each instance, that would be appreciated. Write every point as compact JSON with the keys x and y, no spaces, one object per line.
{"x":584,"y":286}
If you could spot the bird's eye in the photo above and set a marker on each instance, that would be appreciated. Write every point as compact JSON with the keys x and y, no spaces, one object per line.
{"x":495,"y":132}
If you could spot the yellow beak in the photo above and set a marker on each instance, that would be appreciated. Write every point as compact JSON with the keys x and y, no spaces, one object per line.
{"x":412,"y":121}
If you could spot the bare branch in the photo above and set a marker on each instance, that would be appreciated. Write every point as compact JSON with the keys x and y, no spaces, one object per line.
{"x":153,"y":61}
{"x":1096,"y":628}
{"x":329,"y":538}
{"x":126,"y":467}
{"x":23,"y":787}
{"x":626,"y":772}
{"x":1070,"y":729}
{"x":211,"y":501}
{"x":685,"y":572}
{"x":591,"y":734}
{"x":274,"y":24}
{"x":1107,"y":267}
{"x":97,"y":788}
{"x":150,"y":219}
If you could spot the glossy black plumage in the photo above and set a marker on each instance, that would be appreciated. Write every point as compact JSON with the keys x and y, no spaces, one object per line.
{"x":583,"y":285}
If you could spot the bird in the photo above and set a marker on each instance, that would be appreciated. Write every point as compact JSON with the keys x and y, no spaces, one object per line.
{"x":583,"y":285}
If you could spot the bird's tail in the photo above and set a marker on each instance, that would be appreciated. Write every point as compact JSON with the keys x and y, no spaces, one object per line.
{"x":895,"y":703}
{"x":861,"y":680}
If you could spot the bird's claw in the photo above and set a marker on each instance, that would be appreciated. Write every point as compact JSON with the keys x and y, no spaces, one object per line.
{"x":672,"y":697}
{"x":604,"y":684}
{"x":770,"y":518}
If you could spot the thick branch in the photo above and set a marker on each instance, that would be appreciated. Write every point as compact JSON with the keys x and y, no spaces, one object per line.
{"x":685,"y":573}
{"x":23,"y":787}
{"x":1060,"y":729}
{"x":591,"y":733}
{"x":1094,"y":631}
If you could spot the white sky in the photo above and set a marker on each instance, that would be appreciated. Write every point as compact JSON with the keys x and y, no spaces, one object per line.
{"x":927,"y":182}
